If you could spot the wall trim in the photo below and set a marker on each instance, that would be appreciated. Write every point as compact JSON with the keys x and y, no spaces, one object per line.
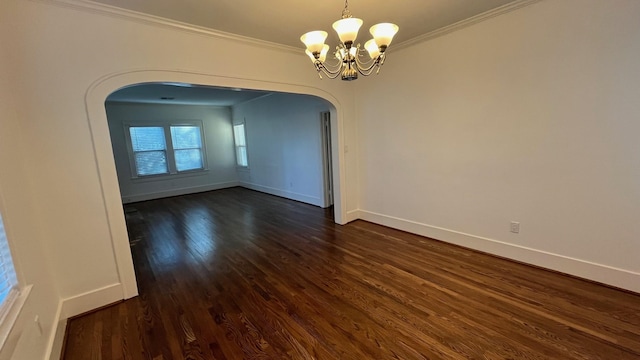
{"x":617,"y":277}
{"x":353,"y":215}
{"x":512,"y":6}
{"x":76,"y":305}
{"x":90,"y":300}
{"x":176,"y":192}
{"x":313,"y":200}
{"x":56,"y":340}
{"x":147,"y":19}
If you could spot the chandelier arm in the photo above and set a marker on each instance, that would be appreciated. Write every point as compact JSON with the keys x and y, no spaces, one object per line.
{"x":366,"y":72}
{"x":330,"y":75}
{"x":367,"y":67}
{"x":322,"y":69}
{"x":332,"y":68}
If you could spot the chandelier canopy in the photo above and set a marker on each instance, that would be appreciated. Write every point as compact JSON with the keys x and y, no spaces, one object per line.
{"x":348,"y":55}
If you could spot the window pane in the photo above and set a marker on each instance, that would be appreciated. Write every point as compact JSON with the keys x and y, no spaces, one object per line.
{"x":147,"y":138}
{"x":238,"y":133}
{"x":241,"y":155}
{"x":186,"y":137}
{"x":189,"y":159}
{"x":151,"y":163}
{"x":8,"y":279}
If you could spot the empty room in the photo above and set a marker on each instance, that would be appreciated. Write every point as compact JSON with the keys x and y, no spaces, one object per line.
{"x":319,"y":180}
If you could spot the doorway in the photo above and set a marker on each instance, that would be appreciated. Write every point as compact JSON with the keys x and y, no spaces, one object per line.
{"x":97,"y":118}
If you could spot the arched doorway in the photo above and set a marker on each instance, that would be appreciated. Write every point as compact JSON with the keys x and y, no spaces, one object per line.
{"x":103,"y":87}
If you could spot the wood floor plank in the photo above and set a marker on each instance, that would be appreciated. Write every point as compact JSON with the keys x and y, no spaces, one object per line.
{"x":236,"y":274}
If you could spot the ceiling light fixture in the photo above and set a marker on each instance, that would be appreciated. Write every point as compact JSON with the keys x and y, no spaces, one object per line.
{"x":348,"y":54}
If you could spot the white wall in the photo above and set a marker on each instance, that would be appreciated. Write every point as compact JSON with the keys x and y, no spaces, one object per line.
{"x":531,"y":116}
{"x":62,"y":61}
{"x":284,"y":146}
{"x":22,"y":225}
{"x":218,"y":140}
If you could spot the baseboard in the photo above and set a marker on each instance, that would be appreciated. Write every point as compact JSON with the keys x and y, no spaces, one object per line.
{"x":90,"y":300}
{"x":177,"y":192}
{"x":77,"y":305}
{"x":616,"y":277}
{"x":313,"y":200}
{"x":56,"y":342}
{"x":353,"y":215}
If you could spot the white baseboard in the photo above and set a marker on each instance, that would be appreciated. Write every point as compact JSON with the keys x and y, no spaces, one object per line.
{"x":177,"y":192}
{"x":91,"y":300}
{"x":77,"y":305}
{"x":313,"y":200}
{"x":353,"y":215}
{"x":620,"y":278}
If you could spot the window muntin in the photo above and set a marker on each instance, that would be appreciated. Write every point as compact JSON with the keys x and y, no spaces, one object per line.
{"x":241,"y":145}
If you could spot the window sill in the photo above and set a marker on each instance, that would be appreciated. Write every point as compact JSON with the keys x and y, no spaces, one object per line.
{"x":165,"y":177}
{"x":9,"y":323}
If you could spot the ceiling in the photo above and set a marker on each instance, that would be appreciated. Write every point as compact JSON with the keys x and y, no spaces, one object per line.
{"x":284,"y":21}
{"x":186,"y":94}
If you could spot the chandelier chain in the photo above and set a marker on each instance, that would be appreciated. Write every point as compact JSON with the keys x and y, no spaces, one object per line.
{"x":346,"y":13}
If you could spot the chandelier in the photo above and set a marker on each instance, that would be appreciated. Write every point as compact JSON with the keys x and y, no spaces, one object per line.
{"x":348,"y":55}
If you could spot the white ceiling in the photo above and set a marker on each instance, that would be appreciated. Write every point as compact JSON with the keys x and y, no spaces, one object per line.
{"x":186,"y":94}
{"x":284,"y":21}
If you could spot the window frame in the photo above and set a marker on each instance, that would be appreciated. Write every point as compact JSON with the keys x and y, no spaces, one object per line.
{"x":236,"y":146}
{"x":172,"y":171}
{"x":132,"y":153}
{"x":11,"y":307}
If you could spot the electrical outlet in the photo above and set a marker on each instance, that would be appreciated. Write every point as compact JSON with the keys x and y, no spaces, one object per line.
{"x":515,"y":227}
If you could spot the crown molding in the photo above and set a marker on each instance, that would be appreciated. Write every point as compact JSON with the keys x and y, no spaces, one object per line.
{"x":147,"y":19}
{"x":512,"y":6}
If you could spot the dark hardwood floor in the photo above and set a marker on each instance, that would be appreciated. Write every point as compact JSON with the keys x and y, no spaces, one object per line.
{"x":236,"y":274}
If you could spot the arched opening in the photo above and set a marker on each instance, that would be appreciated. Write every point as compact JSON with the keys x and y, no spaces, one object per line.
{"x":95,"y":99}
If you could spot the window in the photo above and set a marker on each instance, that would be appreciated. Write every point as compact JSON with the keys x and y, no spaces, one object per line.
{"x":241,"y":145}
{"x":152,"y":154}
{"x":187,"y":147}
{"x":149,"y":150}
{"x":8,"y":280}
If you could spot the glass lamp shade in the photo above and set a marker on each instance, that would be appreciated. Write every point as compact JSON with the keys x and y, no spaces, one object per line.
{"x":383,"y":33}
{"x":323,"y":54}
{"x":347,"y":29}
{"x":310,"y":55}
{"x":372,"y":48}
{"x":314,"y":40}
